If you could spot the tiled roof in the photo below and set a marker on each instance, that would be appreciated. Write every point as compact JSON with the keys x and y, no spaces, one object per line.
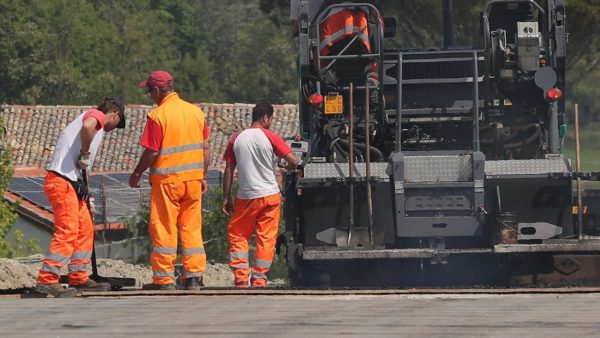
{"x":32,"y":132}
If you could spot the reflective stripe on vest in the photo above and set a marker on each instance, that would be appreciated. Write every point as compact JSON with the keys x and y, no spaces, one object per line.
{"x":175,"y":150}
{"x":339,"y":24}
{"x":180,"y":149}
{"x":181,"y":154}
{"x":176,"y":169}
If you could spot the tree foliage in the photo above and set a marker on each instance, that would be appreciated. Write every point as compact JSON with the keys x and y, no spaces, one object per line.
{"x":78,"y":51}
{"x":17,"y":245}
{"x":7,"y":212}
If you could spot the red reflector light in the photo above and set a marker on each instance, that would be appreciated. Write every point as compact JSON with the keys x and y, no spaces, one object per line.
{"x":315,"y":99}
{"x":553,"y":94}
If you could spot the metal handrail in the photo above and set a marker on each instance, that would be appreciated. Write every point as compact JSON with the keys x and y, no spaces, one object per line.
{"x":379,"y":40}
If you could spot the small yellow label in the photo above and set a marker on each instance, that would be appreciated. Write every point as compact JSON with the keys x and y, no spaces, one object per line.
{"x":334,"y":104}
{"x":575,"y":210}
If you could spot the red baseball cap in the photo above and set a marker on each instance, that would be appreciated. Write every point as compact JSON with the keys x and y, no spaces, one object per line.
{"x":158,"y":78}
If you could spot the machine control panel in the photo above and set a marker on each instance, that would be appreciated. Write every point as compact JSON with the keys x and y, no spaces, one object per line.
{"x":300,"y":150}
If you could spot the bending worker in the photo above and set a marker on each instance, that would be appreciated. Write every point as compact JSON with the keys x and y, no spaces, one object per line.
{"x":176,"y":142}
{"x":73,"y":239}
{"x":258,"y":202}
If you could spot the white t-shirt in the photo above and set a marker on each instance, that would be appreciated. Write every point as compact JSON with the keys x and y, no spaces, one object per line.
{"x":253,"y":150}
{"x":68,"y":147}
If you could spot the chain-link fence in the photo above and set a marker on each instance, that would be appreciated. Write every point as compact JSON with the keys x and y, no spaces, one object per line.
{"x":120,"y":210}
{"x":116,"y":203}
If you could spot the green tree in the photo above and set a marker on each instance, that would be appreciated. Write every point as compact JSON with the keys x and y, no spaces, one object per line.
{"x":8,"y":215}
{"x":252,"y":57}
{"x":56,"y":53}
{"x":214,"y":225}
{"x":76,"y":52}
{"x":583,"y":58}
{"x":13,"y":16}
{"x":141,"y":42}
{"x":18,"y":246}
{"x":137,"y":228}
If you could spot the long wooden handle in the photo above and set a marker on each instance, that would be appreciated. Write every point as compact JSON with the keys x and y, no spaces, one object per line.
{"x":578,"y":169}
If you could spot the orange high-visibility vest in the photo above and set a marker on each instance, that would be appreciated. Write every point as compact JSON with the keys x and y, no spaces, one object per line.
{"x":181,"y":155}
{"x":341,"y":23}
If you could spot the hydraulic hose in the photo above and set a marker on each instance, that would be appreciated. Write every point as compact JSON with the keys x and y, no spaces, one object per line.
{"x":533,"y":137}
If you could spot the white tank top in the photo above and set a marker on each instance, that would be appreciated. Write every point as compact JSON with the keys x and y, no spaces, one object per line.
{"x":66,"y":153}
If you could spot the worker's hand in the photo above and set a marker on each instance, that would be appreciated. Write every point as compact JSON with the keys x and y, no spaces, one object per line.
{"x":226,"y":208}
{"x":204,"y":186}
{"x":83,"y":162}
{"x":82,"y":190}
{"x":134,"y":180}
{"x":92,"y":205}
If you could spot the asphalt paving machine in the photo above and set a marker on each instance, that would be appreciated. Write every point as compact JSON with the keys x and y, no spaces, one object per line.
{"x":438,"y":166}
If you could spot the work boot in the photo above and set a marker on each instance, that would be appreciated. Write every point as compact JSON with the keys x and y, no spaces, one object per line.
{"x":55,"y":290}
{"x":242,"y":284}
{"x":194,"y":283}
{"x":91,"y":285}
{"x":162,"y":287}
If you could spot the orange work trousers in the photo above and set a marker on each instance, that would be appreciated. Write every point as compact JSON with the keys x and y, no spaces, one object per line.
{"x":73,"y":238}
{"x":176,"y":206}
{"x":262,"y":215}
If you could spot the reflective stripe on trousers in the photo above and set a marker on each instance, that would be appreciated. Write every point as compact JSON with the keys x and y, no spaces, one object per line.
{"x":239,"y":260}
{"x":78,"y":267}
{"x":260,"y":215}
{"x":73,"y":238}
{"x":176,"y":207}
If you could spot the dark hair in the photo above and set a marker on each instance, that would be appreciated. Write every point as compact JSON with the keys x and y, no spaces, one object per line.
{"x":261,"y":109}
{"x":166,"y":89}
{"x":109,"y":104}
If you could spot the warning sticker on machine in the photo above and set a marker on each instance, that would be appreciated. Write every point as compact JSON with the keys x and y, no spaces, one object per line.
{"x":334,"y":104}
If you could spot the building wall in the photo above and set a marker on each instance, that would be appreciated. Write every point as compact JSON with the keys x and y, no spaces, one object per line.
{"x":32,"y":230}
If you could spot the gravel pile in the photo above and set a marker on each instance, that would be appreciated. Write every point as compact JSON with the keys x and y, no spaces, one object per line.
{"x":22,"y":272}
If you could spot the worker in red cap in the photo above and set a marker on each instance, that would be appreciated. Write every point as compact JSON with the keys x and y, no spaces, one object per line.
{"x":176,"y":151}
{"x":73,"y":239}
{"x":257,"y":205}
